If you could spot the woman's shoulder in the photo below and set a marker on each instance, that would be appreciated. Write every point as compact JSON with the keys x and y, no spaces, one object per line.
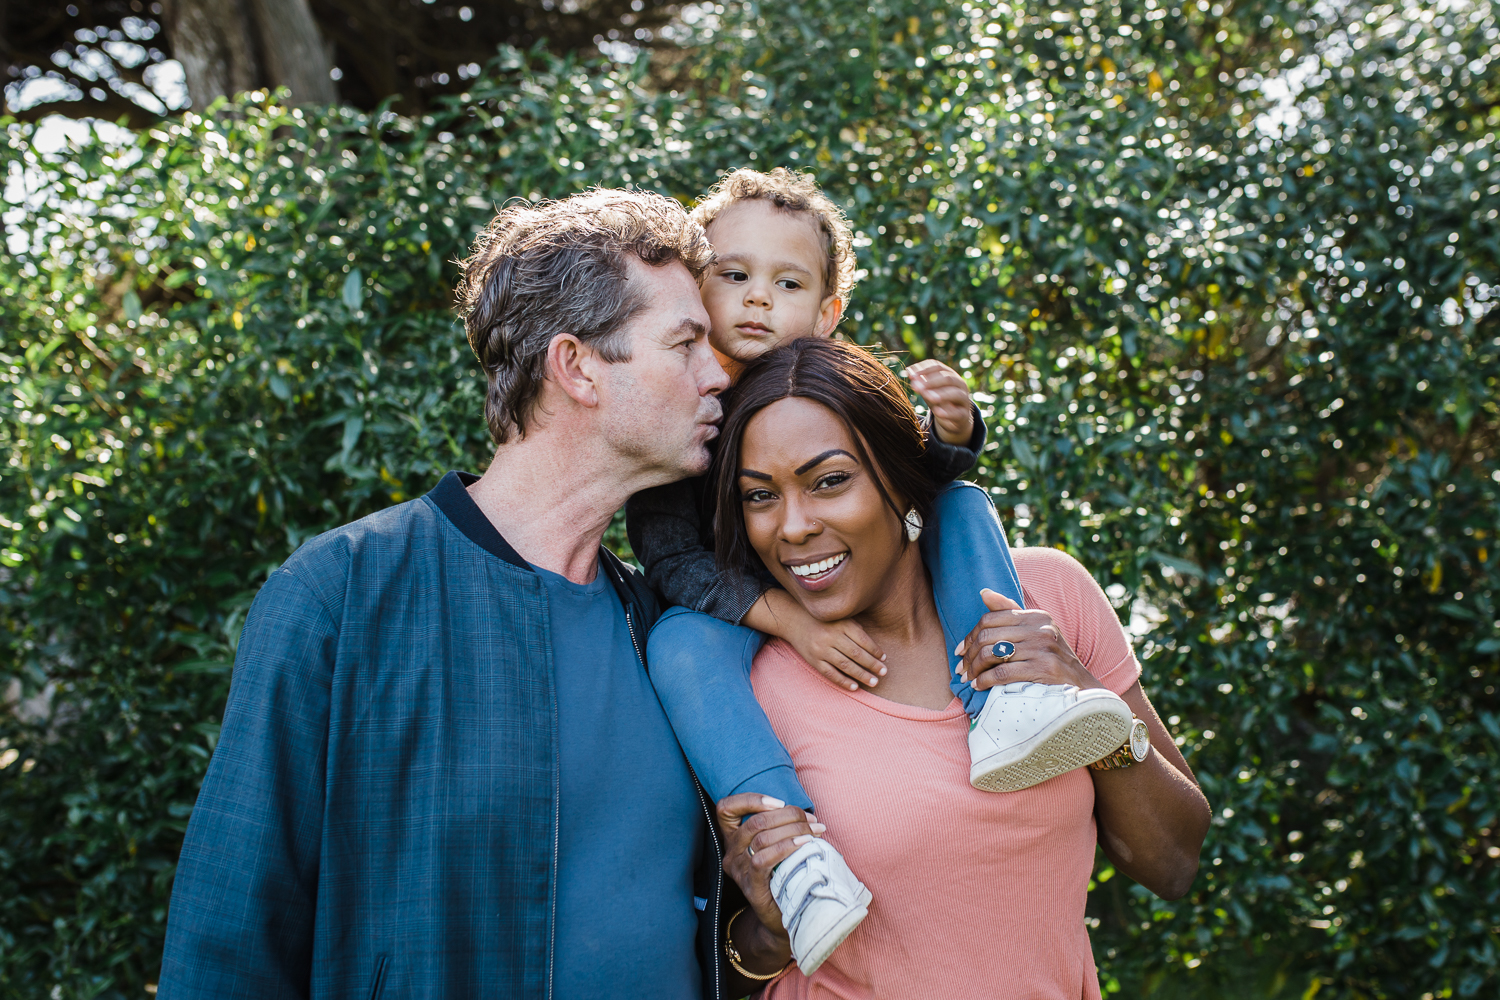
{"x":1054,"y":577}
{"x":786,"y":685}
{"x":1055,"y":582}
{"x":777,"y":658}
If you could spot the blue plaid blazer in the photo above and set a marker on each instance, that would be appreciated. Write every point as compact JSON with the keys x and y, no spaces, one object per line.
{"x":380,"y":814}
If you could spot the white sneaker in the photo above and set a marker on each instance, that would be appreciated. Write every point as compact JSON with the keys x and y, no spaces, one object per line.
{"x":1028,"y":732}
{"x":821,"y":901}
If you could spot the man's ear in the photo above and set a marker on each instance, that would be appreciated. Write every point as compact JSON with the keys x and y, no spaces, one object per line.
{"x":572,"y":366}
{"x":829,"y":314}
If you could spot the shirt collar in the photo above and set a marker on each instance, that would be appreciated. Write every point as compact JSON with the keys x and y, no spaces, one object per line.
{"x":451,"y":496}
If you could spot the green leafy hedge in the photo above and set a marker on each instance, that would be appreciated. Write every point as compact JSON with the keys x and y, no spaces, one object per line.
{"x":1240,"y":354}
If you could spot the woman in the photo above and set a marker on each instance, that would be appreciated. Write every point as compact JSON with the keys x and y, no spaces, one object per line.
{"x":976,"y":894}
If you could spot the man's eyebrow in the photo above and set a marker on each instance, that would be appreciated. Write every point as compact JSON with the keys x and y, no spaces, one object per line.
{"x":751,"y":473}
{"x":688,"y":325}
{"x":821,"y":458}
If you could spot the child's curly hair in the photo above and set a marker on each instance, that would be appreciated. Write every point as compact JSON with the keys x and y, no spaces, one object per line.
{"x":790,"y":191}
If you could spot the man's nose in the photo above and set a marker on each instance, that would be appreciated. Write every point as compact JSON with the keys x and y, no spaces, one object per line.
{"x":712,"y":378}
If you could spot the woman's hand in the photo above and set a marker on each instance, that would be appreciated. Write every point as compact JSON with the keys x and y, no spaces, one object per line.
{"x":1041,"y":653}
{"x":770,"y":832}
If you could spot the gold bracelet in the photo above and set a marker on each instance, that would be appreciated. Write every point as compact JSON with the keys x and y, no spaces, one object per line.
{"x":734,"y":956}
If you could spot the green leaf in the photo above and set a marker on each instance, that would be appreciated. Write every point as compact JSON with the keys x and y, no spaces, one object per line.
{"x":354,"y":291}
{"x":353,"y":426}
{"x":1177,"y":564}
{"x":1022,"y":451}
{"x":204,"y":667}
{"x":38,"y":352}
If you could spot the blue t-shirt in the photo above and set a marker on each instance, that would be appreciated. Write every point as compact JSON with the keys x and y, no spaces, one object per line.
{"x":630,"y":827}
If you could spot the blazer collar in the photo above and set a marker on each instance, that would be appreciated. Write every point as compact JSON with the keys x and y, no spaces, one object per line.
{"x":451,"y":496}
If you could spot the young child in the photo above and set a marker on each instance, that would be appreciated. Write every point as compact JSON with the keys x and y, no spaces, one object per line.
{"x":783,"y":269}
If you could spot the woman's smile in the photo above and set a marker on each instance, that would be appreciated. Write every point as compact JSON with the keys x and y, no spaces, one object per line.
{"x":818,"y":573}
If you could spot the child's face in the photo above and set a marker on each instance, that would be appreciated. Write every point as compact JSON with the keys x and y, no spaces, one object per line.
{"x":766,"y":284}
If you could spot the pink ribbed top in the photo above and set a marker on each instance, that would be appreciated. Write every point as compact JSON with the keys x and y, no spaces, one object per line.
{"x":976,"y":894}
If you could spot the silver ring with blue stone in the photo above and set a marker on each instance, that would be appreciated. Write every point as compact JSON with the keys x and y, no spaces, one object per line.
{"x":1003,"y":650}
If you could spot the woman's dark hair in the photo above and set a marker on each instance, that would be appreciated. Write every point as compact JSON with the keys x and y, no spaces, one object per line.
{"x":860,"y":391}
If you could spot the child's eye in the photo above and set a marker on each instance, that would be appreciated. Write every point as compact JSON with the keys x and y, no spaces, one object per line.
{"x":735,"y":275}
{"x":790,"y":284}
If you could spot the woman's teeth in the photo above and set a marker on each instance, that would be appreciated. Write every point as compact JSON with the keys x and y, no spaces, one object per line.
{"x":822,"y":566}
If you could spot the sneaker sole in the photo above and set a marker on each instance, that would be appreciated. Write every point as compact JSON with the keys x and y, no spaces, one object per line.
{"x":1083,"y":735}
{"x":835,"y":935}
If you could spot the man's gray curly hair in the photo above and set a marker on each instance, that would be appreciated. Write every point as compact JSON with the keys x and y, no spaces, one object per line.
{"x":553,"y":267}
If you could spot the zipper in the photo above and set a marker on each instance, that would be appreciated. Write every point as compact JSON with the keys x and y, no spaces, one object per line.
{"x":636,"y":643}
{"x":716,"y":905}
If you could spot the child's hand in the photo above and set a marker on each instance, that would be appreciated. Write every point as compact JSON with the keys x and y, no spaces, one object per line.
{"x":947,"y":397}
{"x":841,"y":651}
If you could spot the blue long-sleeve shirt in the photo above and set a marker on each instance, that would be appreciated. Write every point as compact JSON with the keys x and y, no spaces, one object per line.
{"x":380,"y":816}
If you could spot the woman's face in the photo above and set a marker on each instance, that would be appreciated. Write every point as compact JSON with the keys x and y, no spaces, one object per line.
{"x":813,"y":513}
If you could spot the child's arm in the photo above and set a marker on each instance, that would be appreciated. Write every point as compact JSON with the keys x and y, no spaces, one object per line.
{"x":663,"y":524}
{"x":955,"y":433}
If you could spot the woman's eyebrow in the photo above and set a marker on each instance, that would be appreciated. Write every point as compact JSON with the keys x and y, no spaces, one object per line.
{"x":766,"y":476}
{"x":821,"y":458}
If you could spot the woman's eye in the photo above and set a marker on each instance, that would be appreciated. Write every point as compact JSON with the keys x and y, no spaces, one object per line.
{"x":756,"y":496}
{"x":831,"y":480}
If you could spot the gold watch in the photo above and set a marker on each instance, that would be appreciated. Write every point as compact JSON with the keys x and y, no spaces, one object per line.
{"x":1136,"y":747}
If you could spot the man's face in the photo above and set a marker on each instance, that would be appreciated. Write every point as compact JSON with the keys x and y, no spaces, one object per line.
{"x":765,"y":286}
{"x":661,"y":408}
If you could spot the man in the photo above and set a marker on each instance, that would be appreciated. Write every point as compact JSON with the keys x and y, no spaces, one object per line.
{"x":443,"y":771}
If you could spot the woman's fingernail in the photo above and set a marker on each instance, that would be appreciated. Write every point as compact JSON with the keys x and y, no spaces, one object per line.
{"x":802,"y":839}
{"x":882,"y":657}
{"x":771,"y":803}
{"x":883,"y":671}
{"x":874,"y":681}
{"x":853,"y":687}
{"x":818,"y":827}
